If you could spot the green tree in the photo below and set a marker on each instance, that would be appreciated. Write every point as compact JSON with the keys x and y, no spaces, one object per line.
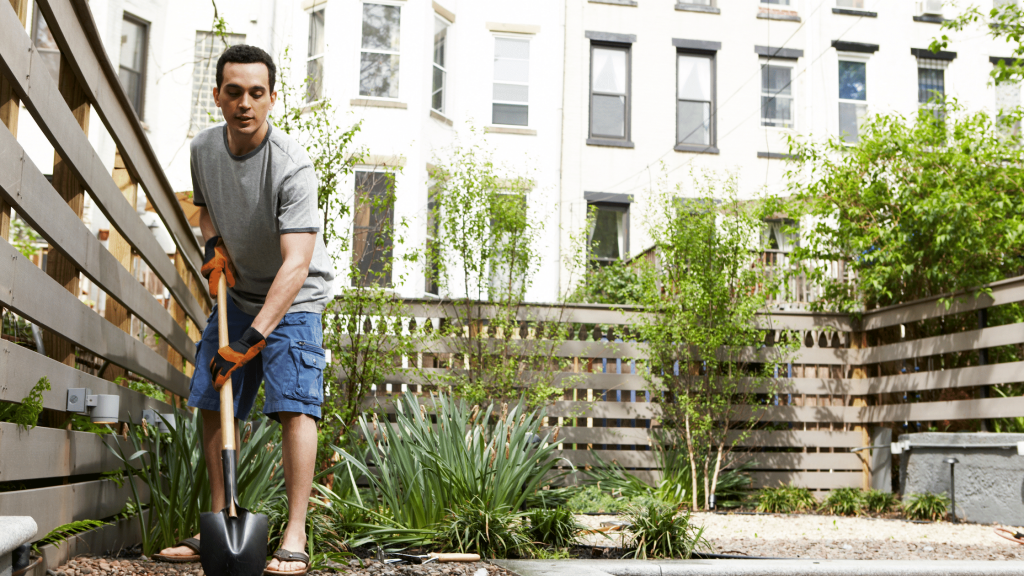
{"x":916,"y":208}
{"x":1005,"y":22}
{"x":704,"y":293}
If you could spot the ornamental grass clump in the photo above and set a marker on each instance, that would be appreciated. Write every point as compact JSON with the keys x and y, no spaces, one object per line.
{"x":661,"y":531}
{"x":785,"y":500}
{"x":553,"y":528}
{"x":441,"y":453}
{"x":926,"y":506}
{"x":844,"y":502}
{"x":477,"y":528}
{"x":880,"y":502}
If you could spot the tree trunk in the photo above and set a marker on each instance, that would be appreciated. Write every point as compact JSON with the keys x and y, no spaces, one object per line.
{"x":693,"y":462}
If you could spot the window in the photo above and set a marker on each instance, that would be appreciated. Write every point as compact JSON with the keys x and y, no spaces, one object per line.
{"x":778,"y":2}
{"x":511,"y":94}
{"x":378,"y":60}
{"x":508,"y":270}
{"x":931,"y":85}
{"x":776,"y":243}
{"x":609,"y":235}
{"x":372,"y":223}
{"x":432,"y":271}
{"x":440,"y":67}
{"x":609,"y":92}
{"x":694,"y":98}
{"x":45,"y":45}
{"x":1007,"y":100}
{"x":853,"y":95}
{"x":776,"y":95}
{"x":208,"y":48}
{"x":132,"y":70}
{"x":860,"y":4}
{"x":315,"y":48}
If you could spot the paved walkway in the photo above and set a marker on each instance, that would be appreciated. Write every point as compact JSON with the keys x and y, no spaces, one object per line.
{"x":759,"y":568}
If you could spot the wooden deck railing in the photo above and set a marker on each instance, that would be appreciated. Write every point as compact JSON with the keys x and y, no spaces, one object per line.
{"x":58,"y":469}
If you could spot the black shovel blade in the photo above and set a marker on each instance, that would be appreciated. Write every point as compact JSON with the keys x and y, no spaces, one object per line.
{"x":233,"y":546}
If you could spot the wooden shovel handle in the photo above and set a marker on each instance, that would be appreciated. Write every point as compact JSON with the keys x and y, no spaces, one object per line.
{"x":227,"y":396}
{"x":455,"y":557}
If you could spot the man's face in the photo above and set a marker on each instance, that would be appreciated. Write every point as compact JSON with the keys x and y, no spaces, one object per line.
{"x":244,"y":97}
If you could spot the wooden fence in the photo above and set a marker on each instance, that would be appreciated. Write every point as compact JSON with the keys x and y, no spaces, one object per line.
{"x":52,"y":472}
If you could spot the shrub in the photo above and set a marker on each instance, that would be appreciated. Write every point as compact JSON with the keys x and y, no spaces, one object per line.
{"x":660,"y":531}
{"x":926,"y":506}
{"x":592,"y":500}
{"x":879,"y":502}
{"x":556,"y":527}
{"x":478,"y":528}
{"x":844,"y":502}
{"x":785,"y":499}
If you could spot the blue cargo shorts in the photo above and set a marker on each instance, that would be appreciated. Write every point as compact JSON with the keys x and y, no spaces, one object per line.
{"x":292,"y":365}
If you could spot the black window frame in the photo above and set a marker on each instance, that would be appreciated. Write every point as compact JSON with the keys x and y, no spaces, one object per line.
{"x":618,"y":202}
{"x":627,"y":139}
{"x":141,"y":96}
{"x":712,"y":146}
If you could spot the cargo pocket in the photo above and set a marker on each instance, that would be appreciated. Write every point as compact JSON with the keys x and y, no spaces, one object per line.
{"x":310,"y":362}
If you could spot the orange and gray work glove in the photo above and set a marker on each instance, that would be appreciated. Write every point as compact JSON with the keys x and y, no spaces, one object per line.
{"x":235,"y":355}
{"x":216,"y":262}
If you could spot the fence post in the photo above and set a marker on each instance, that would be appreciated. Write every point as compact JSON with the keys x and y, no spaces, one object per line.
{"x":858,"y":341}
{"x":986,"y":424}
{"x":121,"y":250}
{"x":64,"y":181}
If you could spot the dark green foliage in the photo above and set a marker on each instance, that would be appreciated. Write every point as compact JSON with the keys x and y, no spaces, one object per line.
{"x":785,"y":500}
{"x":556,"y":527}
{"x":143,"y":386}
{"x":478,"y":528}
{"x":844,"y":502}
{"x":926,"y":506}
{"x":591,"y":499}
{"x":65,"y":531}
{"x":880,"y":502}
{"x":614,"y":283}
{"x":26,"y":414}
{"x":660,"y":531}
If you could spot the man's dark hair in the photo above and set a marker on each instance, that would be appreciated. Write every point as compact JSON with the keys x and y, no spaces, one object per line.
{"x":246,"y":54}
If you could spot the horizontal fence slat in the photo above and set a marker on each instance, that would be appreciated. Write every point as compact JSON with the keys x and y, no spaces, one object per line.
{"x":52,"y":452}
{"x":810,"y":480}
{"x":624,"y":458}
{"x":29,"y":291}
{"x":946,"y":343}
{"x":610,"y":435}
{"x":800,"y":460}
{"x":74,"y":29}
{"x":38,"y":92}
{"x":20,"y":368}
{"x":57,"y":505}
{"x":953,"y":410}
{"x":582,"y":409}
{"x":1002,"y":292}
{"x":33,"y":197}
{"x":121,"y":534}
{"x":797,"y":438}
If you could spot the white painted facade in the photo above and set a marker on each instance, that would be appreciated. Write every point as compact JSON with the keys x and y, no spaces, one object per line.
{"x":552,"y":148}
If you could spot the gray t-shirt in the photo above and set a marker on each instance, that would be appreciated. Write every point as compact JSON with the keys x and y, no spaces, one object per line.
{"x":252,"y":200}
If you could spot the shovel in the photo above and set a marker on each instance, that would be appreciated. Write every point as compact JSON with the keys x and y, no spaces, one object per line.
{"x":234,"y":539}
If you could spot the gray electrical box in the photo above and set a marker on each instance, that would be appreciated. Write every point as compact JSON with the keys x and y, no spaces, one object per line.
{"x":77,"y":399}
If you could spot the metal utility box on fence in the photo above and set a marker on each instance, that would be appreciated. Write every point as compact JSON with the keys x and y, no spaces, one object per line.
{"x":989,"y":473}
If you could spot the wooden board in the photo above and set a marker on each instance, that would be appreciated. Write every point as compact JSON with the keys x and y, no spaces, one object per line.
{"x":20,"y":368}
{"x":52,"y":452}
{"x":41,"y":98}
{"x":74,"y":29}
{"x":1002,"y":292}
{"x":24,"y":187}
{"x":811,"y":480}
{"x":57,"y":505}
{"x":28,"y":290}
{"x":946,"y":343}
{"x":797,"y":438}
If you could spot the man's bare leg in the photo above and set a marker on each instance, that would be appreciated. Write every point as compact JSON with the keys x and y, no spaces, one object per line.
{"x":299,"y":455}
{"x":212,"y":446}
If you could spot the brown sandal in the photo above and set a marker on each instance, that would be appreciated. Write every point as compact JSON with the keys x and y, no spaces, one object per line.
{"x":288,"y":556}
{"x":191,"y":543}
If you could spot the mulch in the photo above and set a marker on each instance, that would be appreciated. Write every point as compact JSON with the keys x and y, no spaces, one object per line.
{"x":143,"y":566}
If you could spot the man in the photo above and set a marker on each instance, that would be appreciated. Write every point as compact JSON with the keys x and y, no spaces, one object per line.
{"x":257,"y":196}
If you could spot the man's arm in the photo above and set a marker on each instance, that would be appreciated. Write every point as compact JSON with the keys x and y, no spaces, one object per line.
{"x":297,"y":252}
{"x":206,"y":224}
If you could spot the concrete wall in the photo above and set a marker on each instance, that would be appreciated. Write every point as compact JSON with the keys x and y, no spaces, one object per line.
{"x":989,"y":481}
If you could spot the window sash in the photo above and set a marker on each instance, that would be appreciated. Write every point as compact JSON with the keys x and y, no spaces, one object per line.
{"x":617,"y":215}
{"x":621,"y":108}
{"x":370,"y":224}
{"x":768,"y":96}
{"x":505,"y":106}
{"x":708,"y":120}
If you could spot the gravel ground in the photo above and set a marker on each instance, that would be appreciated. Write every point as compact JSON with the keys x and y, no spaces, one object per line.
{"x":142,"y":566}
{"x":840,"y":537}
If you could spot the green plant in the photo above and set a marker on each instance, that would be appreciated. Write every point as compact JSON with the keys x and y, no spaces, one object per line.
{"x":926,"y":506}
{"x":552,"y":554}
{"x":591,"y":499}
{"x":478,"y":528}
{"x":65,"y":531}
{"x":443,"y":452}
{"x":880,"y":502}
{"x":704,"y":289}
{"x":555,"y":527}
{"x":143,"y":386}
{"x":24,"y":238}
{"x":660,"y":531}
{"x":844,"y":502}
{"x":172,"y":469}
{"x":1005,"y":21}
{"x":785,"y":499}
{"x":26,"y":414}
